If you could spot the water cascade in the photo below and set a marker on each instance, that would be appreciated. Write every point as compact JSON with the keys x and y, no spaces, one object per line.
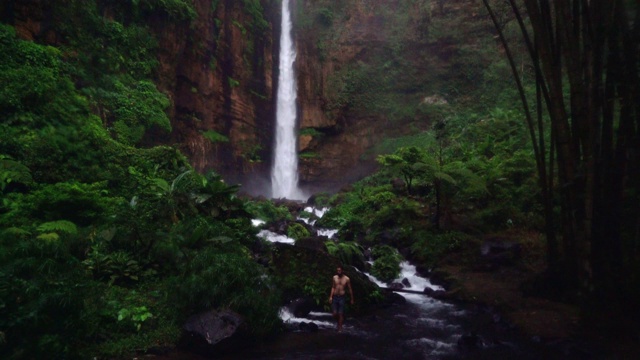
{"x":284,"y":174}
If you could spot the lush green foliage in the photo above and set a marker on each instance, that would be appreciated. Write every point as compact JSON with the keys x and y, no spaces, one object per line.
{"x":267,"y":211}
{"x":254,"y":9}
{"x":106,"y":248}
{"x":297,"y":231}
{"x":177,"y":9}
{"x":429,"y":248}
{"x":213,"y":278}
{"x":472,"y":172}
{"x":214,"y":136}
{"x":349,"y":253}
{"x":386,"y":263}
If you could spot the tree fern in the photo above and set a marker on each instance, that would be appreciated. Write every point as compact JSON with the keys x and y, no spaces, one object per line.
{"x":13,"y":171}
{"x":59,"y":226}
{"x":51,"y":237}
{"x":15,"y":231}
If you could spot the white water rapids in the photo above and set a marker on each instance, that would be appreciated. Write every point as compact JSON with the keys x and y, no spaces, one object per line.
{"x":422,"y":327}
{"x":284,"y":174}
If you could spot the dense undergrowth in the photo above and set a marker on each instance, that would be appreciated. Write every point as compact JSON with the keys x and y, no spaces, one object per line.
{"x":440,"y":192}
{"x":105,"y":247}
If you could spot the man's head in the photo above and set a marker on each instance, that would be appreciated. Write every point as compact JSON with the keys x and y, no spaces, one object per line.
{"x":339,"y":271}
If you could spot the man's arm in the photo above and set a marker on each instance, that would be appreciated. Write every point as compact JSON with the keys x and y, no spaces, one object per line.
{"x":333,"y":289}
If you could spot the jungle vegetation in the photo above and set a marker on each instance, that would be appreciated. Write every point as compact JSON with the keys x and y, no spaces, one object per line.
{"x":106,"y":246}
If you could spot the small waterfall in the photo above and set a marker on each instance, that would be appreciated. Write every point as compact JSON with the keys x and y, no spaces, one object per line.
{"x":284,"y":174}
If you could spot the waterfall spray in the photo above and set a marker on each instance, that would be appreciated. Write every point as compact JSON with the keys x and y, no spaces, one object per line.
{"x":284,"y":174}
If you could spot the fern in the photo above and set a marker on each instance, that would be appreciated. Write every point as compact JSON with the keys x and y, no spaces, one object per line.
{"x":220,"y":240}
{"x":214,"y":136}
{"x":59,"y":226}
{"x":49,"y":237}
{"x":13,"y":171}
{"x":16,"y":231}
{"x":349,"y":253}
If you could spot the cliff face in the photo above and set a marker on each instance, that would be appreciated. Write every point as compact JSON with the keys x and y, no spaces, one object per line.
{"x":218,"y":72}
{"x":364,"y":70}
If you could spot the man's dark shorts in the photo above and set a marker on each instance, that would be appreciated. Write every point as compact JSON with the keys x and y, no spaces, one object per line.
{"x":338,"y":304}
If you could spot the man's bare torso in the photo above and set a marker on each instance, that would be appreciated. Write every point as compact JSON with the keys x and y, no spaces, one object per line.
{"x":339,"y":284}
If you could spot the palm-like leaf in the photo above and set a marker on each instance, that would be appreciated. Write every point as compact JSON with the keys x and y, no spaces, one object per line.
{"x":59,"y":226}
{"x":13,"y":171}
{"x":17,"y":231}
{"x":51,"y":237}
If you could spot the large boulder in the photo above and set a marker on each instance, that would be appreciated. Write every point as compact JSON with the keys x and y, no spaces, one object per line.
{"x":213,"y":332}
{"x":314,"y":243}
{"x":301,"y":307}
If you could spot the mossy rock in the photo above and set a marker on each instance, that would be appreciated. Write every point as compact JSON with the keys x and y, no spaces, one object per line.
{"x":313,"y":242}
{"x":300,"y":271}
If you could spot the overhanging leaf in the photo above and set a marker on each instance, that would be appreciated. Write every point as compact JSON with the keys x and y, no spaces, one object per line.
{"x":49,"y":237}
{"x":59,"y":226}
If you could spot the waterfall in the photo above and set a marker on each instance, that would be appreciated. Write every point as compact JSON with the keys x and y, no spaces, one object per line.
{"x":284,"y":174}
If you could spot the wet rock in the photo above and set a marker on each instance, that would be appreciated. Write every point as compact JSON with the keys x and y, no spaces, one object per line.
{"x":436,"y":294}
{"x":367,"y":254}
{"x":279,"y":227}
{"x":308,"y":327}
{"x":313,"y":243}
{"x":301,"y":307}
{"x":159,"y":350}
{"x":213,"y":332}
{"x":572,"y":349}
{"x":469,"y":341}
{"x":392,"y":298}
{"x":406,"y":282}
{"x":396,"y":286}
{"x":441,"y":278}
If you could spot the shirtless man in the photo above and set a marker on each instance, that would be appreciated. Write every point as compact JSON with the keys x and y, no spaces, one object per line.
{"x":337,"y":297}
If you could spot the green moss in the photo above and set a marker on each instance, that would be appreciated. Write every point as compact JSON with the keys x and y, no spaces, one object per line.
{"x":311,"y":132}
{"x":254,"y":9}
{"x":308,"y":155}
{"x":233,"y":82}
{"x":214,"y":136}
{"x":176,"y":9}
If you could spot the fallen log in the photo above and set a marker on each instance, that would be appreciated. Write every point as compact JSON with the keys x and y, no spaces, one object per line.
{"x":404,"y":291}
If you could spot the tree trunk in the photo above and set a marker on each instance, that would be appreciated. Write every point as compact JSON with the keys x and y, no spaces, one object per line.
{"x":594,"y":108}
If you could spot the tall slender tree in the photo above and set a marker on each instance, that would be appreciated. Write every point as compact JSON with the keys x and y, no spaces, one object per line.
{"x":586,"y":59}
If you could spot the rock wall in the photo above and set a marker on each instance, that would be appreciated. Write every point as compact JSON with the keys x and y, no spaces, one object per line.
{"x":364,"y":69}
{"x":219,"y":73}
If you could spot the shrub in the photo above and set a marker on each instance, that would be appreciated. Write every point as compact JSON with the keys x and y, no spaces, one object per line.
{"x":297,"y":231}
{"x":386,"y":268}
{"x":349,"y":253}
{"x":386,"y":264}
{"x":267,"y":211}
{"x":215,"y":278}
{"x":430,"y":248}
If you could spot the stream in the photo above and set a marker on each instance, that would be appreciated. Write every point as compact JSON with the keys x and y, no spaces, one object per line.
{"x":420,"y":328}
